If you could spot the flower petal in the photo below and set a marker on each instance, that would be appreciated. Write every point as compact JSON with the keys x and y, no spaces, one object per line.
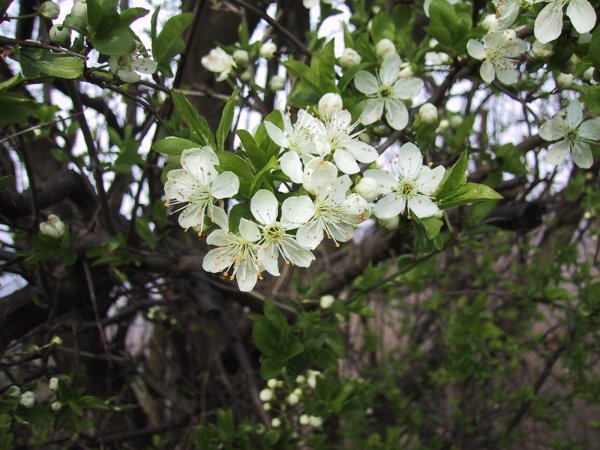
{"x":549,"y":132}
{"x":372,"y":112}
{"x":390,"y":68}
{"x":191,"y":216}
{"x":318,"y":175}
{"x":515,"y":48}
{"x":249,"y":230}
{"x":366,"y":83}
{"x":475,"y":49}
{"x":264,"y":206}
{"x":385,"y":181}
{"x":247,"y":275}
{"x":144,"y":65}
{"x":428,"y":179}
{"x":590,"y":129}
{"x":342,"y":232}
{"x":396,"y":114}
{"x":549,"y":22}
{"x":487,"y":72}
{"x":582,"y":155}
{"x":268,"y":257}
{"x":337,"y":192}
{"x":226,"y":185}
{"x":296,"y":211}
{"x":410,"y":161}
{"x":422,"y":206}
{"x":389,"y":206}
{"x":200,"y":163}
{"x":276,"y":134}
{"x":220,"y":238}
{"x":558,"y":152}
{"x":217,"y":260}
{"x":362,"y":151}
{"x":582,"y":15}
{"x":345,"y":161}
{"x":219,"y":216}
{"x":292,"y":166}
{"x":405,"y":89}
{"x":128,"y":76}
{"x":574,"y":114}
{"x":507,"y":74}
{"x":297,"y":255}
{"x":310,"y":236}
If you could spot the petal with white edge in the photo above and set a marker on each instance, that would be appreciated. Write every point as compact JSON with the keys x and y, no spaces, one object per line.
{"x":342,"y":232}
{"x":422,"y":206}
{"x":128,"y":76}
{"x":390,"y":68}
{"x":389,"y":206}
{"x":337,"y":192}
{"x":345,"y":161}
{"x":226,"y":185}
{"x":475,"y":49}
{"x":515,"y":48}
{"x":366,"y":83}
{"x":180,"y":185}
{"x":144,"y":65}
{"x":372,"y":112}
{"x":292,"y":166}
{"x":549,"y":22}
{"x":296,"y":211}
{"x":582,"y":15}
{"x":429,"y":179}
{"x":249,"y":230}
{"x":200,"y":162}
{"x":574,"y":114}
{"x":310,"y":236}
{"x":220,"y":238}
{"x":396,"y":114}
{"x":264,"y":206}
{"x":318,"y":176}
{"x":410,"y":161}
{"x":276,"y":134}
{"x":386,"y":182}
{"x":342,"y":119}
{"x":246,"y":275}
{"x":487,"y":72}
{"x":582,"y":155}
{"x":590,"y":130}
{"x":507,"y":74}
{"x":217,"y":261}
{"x":357,"y":208}
{"x":191,"y":216}
{"x":405,"y":89}
{"x":557,"y":152}
{"x":549,"y":132}
{"x":268,"y":257}
{"x":220,"y":218}
{"x":297,"y":255}
{"x":362,"y":151}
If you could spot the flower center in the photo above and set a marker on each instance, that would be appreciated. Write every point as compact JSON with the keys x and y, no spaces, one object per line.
{"x":572,"y":134}
{"x":385,"y":91}
{"x":273,"y":232}
{"x":407,"y":189}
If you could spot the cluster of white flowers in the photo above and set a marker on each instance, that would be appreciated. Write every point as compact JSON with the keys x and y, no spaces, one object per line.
{"x":498,"y":52}
{"x":549,"y":22}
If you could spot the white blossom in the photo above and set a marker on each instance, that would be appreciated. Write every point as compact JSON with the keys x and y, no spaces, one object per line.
{"x":27,"y":399}
{"x":428,"y":113}
{"x":367,"y":188}
{"x":349,"y":58}
{"x":408,"y":189}
{"x":241,"y":57}
{"x":549,"y":22}
{"x":53,"y":227}
{"x":336,"y":213}
{"x":507,"y":12}
{"x":53,"y":384}
{"x":327,"y":301}
{"x":385,"y":47}
{"x":329,"y":104}
{"x":128,"y":67}
{"x":498,"y":51}
{"x":197,"y":185}
{"x":588,"y":75}
{"x":267,"y":50}
{"x":386,"y":91}
{"x":220,"y":62}
{"x":573,"y":136}
{"x":564,"y":80}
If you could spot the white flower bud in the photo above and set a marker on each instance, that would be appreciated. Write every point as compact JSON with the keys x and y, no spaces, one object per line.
{"x":266,"y":395}
{"x":327,"y":301}
{"x":56,"y":341}
{"x":267,"y":406}
{"x":311,"y":378}
{"x":367,"y":188}
{"x":369,"y":411}
{"x":384,"y":47}
{"x":349,"y":58}
{"x":390,"y":224}
{"x":540,"y":50}
{"x":456,"y":121}
{"x":53,"y":227}
{"x":292,"y":399}
{"x":490,"y":22}
{"x":79,"y":14}
{"x":304,"y":419}
{"x":272,"y":383}
{"x":277,"y":83}
{"x":60,"y":35}
{"x":300,"y":379}
{"x":218,"y":61}
{"x":406,"y":71}
{"x":241,"y":57}
{"x":56,"y":405}
{"x":315,"y":421}
{"x":27,"y":399}
{"x":276,"y":422}
{"x":298,"y":391}
{"x":588,"y":74}
{"x":443,"y":125}
{"x":246,"y":75}
{"x":13,"y":391}
{"x":428,"y":113}
{"x":49,"y":10}
{"x":267,"y":50}
{"x":329,"y":104}
{"x":564,"y":80}
{"x":53,"y":384}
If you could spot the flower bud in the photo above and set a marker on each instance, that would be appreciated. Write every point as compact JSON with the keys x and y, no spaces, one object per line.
{"x":56,"y":341}
{"x":367,"y":188}
{"x":298,"y":391}
{"x":60,"y":35}
{"x":265,"y":395}
{"x":390,"y":224}
{"x":428,"y":113}
{"x":53,"y":227}
{"x":406,"y":71}
{"x":304,"y":419}
{"x":267,"y":406}
{"x":56,"y":406}
{"x":327,"y":301}
{"x":540,"y":50}
{"x":456,"y":121}
{"x":564,"y":80}
{"x":490,"y":22}
{"x":267,"y":50}
{"x":49,"y":10}
{"x":443,"y":125}
{"x":349,"y":58}
{"x":588,"y":74}
{"x":277,"y":83}
{"x":53,"y":384}
{"x":300,"y":379}
{"x":384,"y":47}
{"x":79,"y":14}
{"x":27,"y":399}
{"x":292,"y":399}
{"x":241,"y":57}
{"x":329,"y":104}
{"x":246,"y":75}
{"x":311,"y":378}
{"x":218,"y":61}
{"x":13,"y":391}
{"x":272,"y":383}
{"x":315,"y":421}
{"x":276,"y":422}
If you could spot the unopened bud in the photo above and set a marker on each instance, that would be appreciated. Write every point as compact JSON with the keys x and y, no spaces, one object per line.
{"x":277,"y":83}
{"x":428,"y":113}
{"x":53,"y":384}
{"x":367,"y":188}
{"x":49,"y":10}
{"x":60,"y":35}
{"x":588,"y":74}
{"x":292,"y":399}
{"x":13,"y":391}
{"x":443,"y":125}
{"x":349,"y":58}
{"x":267,"y":50}
{"x":384,"y":47}
{"x":272,"y":383}
{"x":79,"y":14}
{"x":329,"y":104}
{"x":265,"y":395}
{"x":540,"y":50}
{"x":276,"y":422}
{"x":246,"y":75}
{"x":456,"y":121}
{"x":56,"y":341}
{"x":315,"y":421}
{"x":53,"y":227}
{"x":27,"y":399}
{"x":564,"y":80}
{"x":304,"y":420}
{"x":490,"y":22}
{"x":56,"y":406}
{"x":241,"y":57}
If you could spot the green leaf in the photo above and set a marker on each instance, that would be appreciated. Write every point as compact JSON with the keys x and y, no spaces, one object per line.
{"x":327,"y":68}
{"x":100,"y":12}
{"x":6,"y":181}
{"x":236,"y":214}
{"x":241,"y":167}
{"x":455,"y":176}
{"x":432,"y":226}
{"x":226,"y":120}
{"x":35,"y":64}
{"x":595,"y":48}
{"x":257,"y":157}
{"x":272,"y":165}
{"x":593,"y":98}
{"x":132,"y":14}
{"x":11,"y":82}
{"x":163,"y":46}
{"x":305,"y":73}
{"x":16,"y":109}
{"x":195,"y":121}
{"x":383,"y":27}
{"x":469,"y":193}
{"x":173,"y":145}
{"x":115,"y":41}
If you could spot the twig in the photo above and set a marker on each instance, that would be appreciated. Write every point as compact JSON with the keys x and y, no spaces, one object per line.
{"x":32,"y":44}
{"x":35,"y":127}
